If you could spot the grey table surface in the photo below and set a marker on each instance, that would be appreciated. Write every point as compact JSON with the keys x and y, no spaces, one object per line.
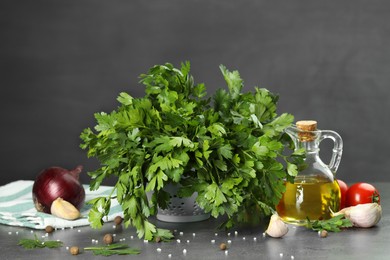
{"x":201,"y":240}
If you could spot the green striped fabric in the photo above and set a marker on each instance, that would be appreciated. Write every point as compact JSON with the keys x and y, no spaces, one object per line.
{"x":17,"y":207}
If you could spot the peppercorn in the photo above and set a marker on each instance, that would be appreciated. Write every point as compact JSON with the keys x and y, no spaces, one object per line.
{"x":74,"y":250}
{"x":49,"y":229}
{"x":108,"y":239}
{"x":222,"y":246}
{"x":323,"y":233}
{"x":118,"y":220}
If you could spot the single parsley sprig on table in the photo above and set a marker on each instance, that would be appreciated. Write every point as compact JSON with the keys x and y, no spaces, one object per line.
{"x":36,"y":243}
{"x":334,"y":224}
{"x":113,"y":249}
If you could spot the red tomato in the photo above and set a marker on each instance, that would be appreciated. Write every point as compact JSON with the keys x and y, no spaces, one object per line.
{"x":343,"y":189}
{"x":361,"y":193}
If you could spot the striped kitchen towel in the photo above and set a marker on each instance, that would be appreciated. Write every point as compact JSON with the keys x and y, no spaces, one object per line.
{"x":17,"y":207}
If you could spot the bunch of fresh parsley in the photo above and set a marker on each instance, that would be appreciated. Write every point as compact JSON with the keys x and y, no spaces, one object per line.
{"x":230,"y":149}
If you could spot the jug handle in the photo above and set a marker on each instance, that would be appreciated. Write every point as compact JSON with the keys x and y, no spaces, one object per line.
{"x":337,"y":148}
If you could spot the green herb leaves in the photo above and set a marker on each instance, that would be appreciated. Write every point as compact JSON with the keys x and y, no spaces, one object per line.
{"x":230,"y":151}
{"x":113,"y":249}
{"x":334,"y":224}
{"x":36,"y":243}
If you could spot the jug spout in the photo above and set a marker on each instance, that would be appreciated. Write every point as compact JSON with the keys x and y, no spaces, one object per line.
{"x":292,"y":131}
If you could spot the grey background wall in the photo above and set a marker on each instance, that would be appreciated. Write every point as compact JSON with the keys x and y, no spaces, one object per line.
{"x":62,"y":61}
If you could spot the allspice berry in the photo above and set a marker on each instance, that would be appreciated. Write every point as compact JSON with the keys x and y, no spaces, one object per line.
{"x":49,"y":229}
{"x":118,"y":220}
{"x":323,"y":233}
{"x":222,"y":246}
{"x":108,"y":239}
{"x":74,"y":250}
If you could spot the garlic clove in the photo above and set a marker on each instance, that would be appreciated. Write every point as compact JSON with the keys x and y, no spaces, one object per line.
{"x":63,"y":209}
{"x":366,"y":215}
{"x":276,"y":228}
{"x":363,"y":215}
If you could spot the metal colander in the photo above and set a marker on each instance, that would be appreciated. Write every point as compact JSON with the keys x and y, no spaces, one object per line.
{"x":181,"y":209}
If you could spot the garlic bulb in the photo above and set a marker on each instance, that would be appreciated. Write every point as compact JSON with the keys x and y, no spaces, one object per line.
{"x":363,"y":215}
{"x":276,"y":227}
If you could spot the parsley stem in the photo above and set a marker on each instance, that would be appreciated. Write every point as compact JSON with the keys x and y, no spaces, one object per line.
{"x":108,"y":247}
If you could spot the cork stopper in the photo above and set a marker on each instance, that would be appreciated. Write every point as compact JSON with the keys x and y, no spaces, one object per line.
{"x":306,"y":127}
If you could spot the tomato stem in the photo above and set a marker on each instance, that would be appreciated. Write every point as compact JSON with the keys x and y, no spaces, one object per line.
{"x":375,"y":197}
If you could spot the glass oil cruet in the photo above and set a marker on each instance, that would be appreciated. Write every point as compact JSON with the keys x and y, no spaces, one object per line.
{"x":315,"y":192}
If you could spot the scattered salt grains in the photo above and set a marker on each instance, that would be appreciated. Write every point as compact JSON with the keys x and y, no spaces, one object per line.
{"x":114,"y":235}
{"x":159,"y":249}
{"x":17,"y":232}
{"x":114,"y":227}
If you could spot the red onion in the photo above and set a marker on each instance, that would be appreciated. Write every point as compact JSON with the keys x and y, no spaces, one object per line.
{"x":56,"y":182}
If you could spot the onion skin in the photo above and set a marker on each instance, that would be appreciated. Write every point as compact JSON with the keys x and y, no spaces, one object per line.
{"x":55,"y":182}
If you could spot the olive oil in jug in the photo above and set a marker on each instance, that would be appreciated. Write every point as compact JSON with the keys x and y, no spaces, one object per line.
{"x":315,"y":192}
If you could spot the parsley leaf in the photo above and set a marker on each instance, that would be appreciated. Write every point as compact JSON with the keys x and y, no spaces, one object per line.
{"x":36,"y":243}
{"x":113,"y":249}
{"x":334,"y":224}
